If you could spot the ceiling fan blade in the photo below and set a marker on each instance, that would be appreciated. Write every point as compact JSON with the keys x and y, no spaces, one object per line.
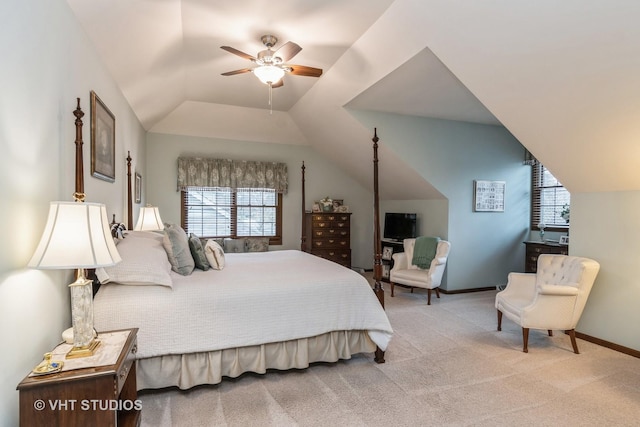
{"x":302,"y":70}
{"x":239,"y":53}
{"x":234,"y":72}
{"x":278,"y":84}
{"x":287,"y":51}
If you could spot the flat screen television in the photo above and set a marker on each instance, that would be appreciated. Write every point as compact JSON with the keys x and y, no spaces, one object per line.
{"x":399,"y":226}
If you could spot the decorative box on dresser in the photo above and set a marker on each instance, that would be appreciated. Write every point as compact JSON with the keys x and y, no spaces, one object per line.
{"x":328,"y":235}
{"x":90,"y":396}
{"x":535,"y":248}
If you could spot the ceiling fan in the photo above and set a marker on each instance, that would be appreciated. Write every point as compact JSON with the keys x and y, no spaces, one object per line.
{"x":271,"y":64}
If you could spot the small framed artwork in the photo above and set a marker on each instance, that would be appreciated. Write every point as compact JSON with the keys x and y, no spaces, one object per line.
{"x":564,"y":240}
{"x":103,"y":140}
{"x":385,"y":271}
{"x":336,"y":204}
{"x":316,"y":207}
{"x":387,"y":252}
{"x":138,"y":188}
{"x":488,"y":196}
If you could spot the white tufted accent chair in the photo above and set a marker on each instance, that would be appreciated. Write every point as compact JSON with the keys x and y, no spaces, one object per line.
{"x":407,"y":274}
{"x":552,"y":298}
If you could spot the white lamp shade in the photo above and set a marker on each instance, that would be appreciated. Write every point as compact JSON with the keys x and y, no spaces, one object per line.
{"x":269,"y":74}
{"x":77,"y":235}
{"x":149,"y":219}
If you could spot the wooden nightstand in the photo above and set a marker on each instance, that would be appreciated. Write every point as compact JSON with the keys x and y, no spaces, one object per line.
{"x":91,"y":396}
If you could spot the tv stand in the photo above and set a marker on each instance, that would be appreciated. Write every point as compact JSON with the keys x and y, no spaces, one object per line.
{"x":389,"y":247}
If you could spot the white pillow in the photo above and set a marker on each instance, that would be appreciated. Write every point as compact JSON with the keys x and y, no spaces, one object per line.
{"x":215,"y":254}
{"x":144,"y":262}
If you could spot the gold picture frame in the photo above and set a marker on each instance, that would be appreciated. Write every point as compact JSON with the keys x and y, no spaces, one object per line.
{"x":103,"y":140}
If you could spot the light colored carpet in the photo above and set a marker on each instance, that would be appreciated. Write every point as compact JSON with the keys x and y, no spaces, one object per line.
{"x":446,"y":365}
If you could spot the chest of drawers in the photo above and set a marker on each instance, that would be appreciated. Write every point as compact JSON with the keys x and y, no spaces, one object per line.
{"x":328,"y":235}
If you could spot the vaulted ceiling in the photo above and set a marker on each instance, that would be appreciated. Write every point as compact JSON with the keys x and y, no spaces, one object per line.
{"x":561,"y":76}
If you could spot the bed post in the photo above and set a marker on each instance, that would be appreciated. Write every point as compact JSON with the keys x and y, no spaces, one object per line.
{"x":78,"y":196}
{"x":303,"y":237}
{"x":377,"y":263}
{"x":129,"y":204}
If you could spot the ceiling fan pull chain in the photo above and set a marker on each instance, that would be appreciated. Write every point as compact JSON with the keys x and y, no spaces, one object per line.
{"x":270,"y":99}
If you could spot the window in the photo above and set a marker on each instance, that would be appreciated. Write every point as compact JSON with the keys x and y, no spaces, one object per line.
{"x":221,"y":212}
{"x":549,"y":199}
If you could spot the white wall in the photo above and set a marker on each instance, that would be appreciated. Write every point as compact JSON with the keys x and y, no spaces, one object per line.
{"x":323,"y":179}
{"x":605,"y":227}
{"x":47,"y":62}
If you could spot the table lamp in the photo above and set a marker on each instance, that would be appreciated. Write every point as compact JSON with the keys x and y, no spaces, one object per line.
{"x":77,"y":236}
{"x":149,"y":219}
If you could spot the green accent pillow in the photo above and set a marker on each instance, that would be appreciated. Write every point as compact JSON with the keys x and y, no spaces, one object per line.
{"x":197,"y":252}
{"x":234,"y":245}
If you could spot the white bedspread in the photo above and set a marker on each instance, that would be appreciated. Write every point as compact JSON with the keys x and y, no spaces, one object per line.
{"x":258,"y":298}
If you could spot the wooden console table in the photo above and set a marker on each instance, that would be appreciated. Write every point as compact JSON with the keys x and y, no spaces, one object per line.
{"x":535,"y":248}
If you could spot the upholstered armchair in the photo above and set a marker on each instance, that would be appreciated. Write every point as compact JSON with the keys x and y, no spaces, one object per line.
{"x":552,"y":298}
{"x":406,"y":274}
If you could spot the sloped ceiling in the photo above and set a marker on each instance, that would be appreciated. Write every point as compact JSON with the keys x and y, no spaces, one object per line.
{"x":561,"y":76}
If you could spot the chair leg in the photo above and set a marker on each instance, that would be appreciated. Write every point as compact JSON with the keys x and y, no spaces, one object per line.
{"x":438,"y":292}
{"x":525,"y":340}
{"x":499,"y":320}
{"x":572,"y":334}
{"x":550,"y":332}
{"x":428,"y":296}
{"x":391,"y":288}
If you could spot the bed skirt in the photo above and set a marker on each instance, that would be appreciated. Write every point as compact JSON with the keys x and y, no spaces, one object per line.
{"x":189,"y":370}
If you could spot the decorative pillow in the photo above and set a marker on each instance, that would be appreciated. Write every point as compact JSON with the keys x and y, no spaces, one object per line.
{"x":176,"y":244}
{"x":215,"y":254}
{"x":144,"y":262}
{"x":257,"y":244}
{"x":117,"y":230}
{"x":218,"y":240}
{"x":234,"y":245}
{"x":197,"y":252}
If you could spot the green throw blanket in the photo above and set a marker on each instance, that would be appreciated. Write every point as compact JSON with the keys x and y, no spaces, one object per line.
{"x":424,"y":251}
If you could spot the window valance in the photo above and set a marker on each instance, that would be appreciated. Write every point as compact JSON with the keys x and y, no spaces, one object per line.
{"x":234,"y":174}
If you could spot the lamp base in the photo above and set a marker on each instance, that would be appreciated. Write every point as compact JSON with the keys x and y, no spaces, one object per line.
{"x":84,"y":351}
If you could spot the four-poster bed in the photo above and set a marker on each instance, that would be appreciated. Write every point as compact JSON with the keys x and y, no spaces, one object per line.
{"x":200,"y":328}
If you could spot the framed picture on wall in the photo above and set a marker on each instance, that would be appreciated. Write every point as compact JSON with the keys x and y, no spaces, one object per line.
{"x":138,"y":188}
{"x":103,"y":140}
{"x":385,"y":271}
{"x":488,"y":196}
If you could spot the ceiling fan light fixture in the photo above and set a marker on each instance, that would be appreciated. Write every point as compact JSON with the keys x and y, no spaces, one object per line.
{"x":269,"y":74}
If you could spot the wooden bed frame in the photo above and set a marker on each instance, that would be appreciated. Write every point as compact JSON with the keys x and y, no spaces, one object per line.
{"x":377,"y":268}
{"x":377,"y":264}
